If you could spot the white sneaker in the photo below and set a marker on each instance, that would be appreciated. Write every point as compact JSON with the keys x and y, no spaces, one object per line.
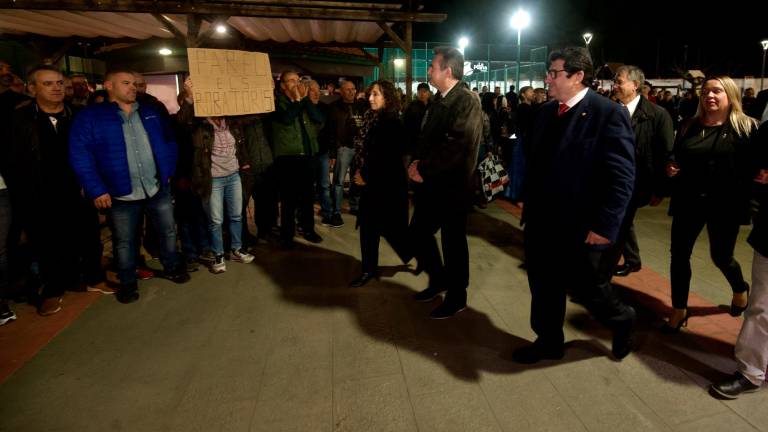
{"x":241,"y":256}
{"x":218,"y":266}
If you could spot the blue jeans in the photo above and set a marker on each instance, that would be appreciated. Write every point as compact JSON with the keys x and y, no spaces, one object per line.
{"x":126,"y":218}
{"x":323,"y":183}
{"x":226,"y":191}
{"x":344,"y":158}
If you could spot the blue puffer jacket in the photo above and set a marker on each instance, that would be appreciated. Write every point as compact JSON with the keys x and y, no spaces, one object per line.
{"x":97,"y":149}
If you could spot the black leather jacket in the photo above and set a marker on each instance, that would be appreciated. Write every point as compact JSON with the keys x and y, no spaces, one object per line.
{"x":449,"y":142}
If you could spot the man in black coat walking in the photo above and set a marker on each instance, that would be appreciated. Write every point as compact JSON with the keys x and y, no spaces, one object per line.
{"x":654,"y":138}
{"x":442,"y":168}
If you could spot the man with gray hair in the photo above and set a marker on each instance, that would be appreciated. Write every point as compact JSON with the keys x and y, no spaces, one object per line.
{"x":443,"y":166}
{"x":654,"y":137}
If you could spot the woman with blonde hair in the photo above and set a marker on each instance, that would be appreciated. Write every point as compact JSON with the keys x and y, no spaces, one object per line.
{"x":712,"y":169}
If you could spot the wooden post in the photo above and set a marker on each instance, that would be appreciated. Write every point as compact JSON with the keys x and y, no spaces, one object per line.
{"x":408,"y":60}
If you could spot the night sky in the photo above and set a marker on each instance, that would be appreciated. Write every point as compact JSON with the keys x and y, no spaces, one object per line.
{"x":720,"y":39}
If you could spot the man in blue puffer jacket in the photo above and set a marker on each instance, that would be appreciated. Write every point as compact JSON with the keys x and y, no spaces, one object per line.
{"x":124,"y":155}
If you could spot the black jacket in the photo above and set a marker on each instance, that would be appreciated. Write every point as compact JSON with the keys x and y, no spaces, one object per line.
{"x":38,"y":164}
{"x":723,"y":173}
{"x":654,"y":138}
{"x":758,"y":238}
{"x":341,"y":125}
{"x":448,"y":145}
{"x":384,"y":198}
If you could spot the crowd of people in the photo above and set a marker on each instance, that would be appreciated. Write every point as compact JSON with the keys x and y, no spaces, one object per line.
{"x":582,"y":163}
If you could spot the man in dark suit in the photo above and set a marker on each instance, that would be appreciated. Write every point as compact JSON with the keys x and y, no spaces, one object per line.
{"x":654,"y":137}
{"x":443,"y":165}
{"x":576,"y":192}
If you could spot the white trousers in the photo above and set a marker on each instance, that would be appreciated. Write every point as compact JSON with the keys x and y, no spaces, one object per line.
{"x":752,"y":346}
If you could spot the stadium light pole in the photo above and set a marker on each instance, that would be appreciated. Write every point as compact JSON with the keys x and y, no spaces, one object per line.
{"x":587,"y":39}
{"x":762,"y":71}
{"x":520,"y":20}
{"x":463,"y":42}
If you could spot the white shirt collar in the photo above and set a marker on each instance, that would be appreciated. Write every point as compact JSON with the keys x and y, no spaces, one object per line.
{"x":632,"y":105}
{"x":576,"y":99}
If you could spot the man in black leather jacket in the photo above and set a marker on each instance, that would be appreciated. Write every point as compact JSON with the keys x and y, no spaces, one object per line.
{"x":442,"y":167}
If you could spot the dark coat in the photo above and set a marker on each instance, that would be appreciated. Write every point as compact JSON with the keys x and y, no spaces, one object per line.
{"x":384,"y":198}
{"x":654,"y":138}
{"x":202,"y":145}
{"x":723,"y":174}
{"x":448,"y":146}
{"x":37,"y":158}
{"x":758,"y":238}
{"x":583,"y":182}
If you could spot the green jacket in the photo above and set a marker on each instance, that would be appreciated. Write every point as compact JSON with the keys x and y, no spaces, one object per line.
{"x":286,"y":129}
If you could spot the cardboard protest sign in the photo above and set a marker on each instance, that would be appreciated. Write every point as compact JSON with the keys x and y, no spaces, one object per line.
{"x":229,"y":82}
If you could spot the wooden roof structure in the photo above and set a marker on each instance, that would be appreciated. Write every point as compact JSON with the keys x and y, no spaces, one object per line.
{"x":252,"y":24}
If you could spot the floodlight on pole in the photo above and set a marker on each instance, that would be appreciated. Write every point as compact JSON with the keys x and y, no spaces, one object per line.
{"x":463,"y":42}
{"x":399,"y":63}
{"x":520,"y":20}
{"x":762,"y":71}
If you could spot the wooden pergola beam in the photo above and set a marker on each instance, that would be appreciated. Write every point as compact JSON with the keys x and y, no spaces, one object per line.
{"x":392,"y":35}
{"x":168,"y":24}
{"x":230,"y":8}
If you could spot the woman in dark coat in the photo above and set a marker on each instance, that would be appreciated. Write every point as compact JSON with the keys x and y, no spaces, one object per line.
{"x":712,"y":169}
{"x":383,"y":211}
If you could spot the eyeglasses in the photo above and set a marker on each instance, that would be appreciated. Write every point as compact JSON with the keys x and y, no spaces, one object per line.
{"x":553,"y":72}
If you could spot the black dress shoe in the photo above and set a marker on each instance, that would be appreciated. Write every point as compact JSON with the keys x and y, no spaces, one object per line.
{"x":447,"y":309}
{"x":622,"y":343}
{"x":363,"y":279}
{"x":312,"y":237}
{"x":626,"y":269}
{"x":428,"y":294}
{"x":178,"y":276}
{"x":734,"y":386}
{"x":127,"y":293}
{"x":536,"y":352}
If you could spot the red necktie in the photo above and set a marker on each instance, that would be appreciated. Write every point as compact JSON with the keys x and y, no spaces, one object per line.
{"x":562,"y":109}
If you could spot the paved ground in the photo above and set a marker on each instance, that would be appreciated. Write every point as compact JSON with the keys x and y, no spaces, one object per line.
{"x":284,"y":345}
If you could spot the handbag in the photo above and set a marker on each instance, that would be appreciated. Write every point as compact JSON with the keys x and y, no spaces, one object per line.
{"x":493,"y":176}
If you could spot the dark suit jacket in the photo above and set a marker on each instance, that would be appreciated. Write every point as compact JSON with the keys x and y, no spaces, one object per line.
{"x":654,"y":138}
{"x":584,"y":182}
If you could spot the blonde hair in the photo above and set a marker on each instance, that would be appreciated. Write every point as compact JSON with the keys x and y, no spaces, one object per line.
{"x":740,"y":122}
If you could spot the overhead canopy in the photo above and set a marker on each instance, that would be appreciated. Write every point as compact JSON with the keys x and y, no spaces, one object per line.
{"x":144,"y":25}
{"x":192,"y":22}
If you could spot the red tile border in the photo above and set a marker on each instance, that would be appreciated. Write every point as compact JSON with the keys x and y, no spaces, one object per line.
{"x":23,"y":338}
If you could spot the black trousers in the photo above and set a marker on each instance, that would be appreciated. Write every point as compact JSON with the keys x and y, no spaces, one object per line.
{"x":609,"y":258}
{"x":722,"y":225}
{"x":579,"y":272}
{"x":296,"y":188}
{"x":265,"y":201}
{"x":631,"y":249}
{"x":70,"y":249}
{"x":450,"y":218}
{"x":370,"y":237}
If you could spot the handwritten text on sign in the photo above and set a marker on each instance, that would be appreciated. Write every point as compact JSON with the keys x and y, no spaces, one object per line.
{"x":228,"y":82}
